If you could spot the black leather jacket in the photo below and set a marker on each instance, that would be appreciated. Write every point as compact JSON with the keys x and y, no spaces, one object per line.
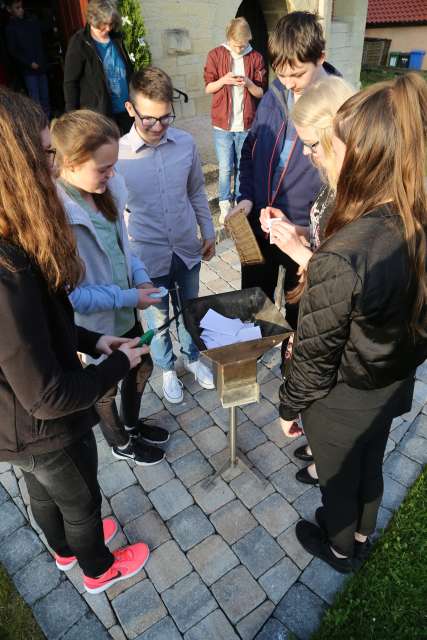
{"x":353,"y":324}
{"x":46,"y":397}
{"x":85,"y":85}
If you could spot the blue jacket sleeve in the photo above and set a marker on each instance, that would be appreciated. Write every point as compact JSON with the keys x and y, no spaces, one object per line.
{"x":139,"y":272}
{"x":246,"y":167}
{"x":89,"y":299}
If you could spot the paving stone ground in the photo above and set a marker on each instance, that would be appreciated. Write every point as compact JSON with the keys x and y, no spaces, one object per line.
{"x":225,"y":563}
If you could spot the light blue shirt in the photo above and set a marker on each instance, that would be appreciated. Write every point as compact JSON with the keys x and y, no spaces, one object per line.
{"x":166,"y":199}
{"x":115,"y":72}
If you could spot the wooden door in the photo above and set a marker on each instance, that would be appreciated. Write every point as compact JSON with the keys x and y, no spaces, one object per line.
{"x":72,"y":16}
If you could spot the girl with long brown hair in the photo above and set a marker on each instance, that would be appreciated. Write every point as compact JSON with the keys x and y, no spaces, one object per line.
{"x":46,"y":397}
{"x":362,"y":321}
{"x":115,"y":283}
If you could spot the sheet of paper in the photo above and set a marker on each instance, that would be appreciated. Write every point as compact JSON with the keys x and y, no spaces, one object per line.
{"x":249,"y":333}
{"x":220,"y":331}
{"x":220,"y":324}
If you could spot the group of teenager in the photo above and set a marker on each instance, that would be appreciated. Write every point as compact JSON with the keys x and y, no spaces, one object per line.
{"x":93,"y":224}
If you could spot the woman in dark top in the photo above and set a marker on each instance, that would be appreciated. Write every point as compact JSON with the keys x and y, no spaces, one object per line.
{"x":362,"y":320}
{"x":97,"y":66}
{"x":46,"y":397}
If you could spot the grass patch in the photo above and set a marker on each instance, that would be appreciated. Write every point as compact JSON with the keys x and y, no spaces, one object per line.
{"x":387,"y":598}
{"x":16,"y":619}
{"x":369,"y":76}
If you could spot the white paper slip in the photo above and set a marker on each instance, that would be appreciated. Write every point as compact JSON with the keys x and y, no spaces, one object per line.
{"x":213,"y":340}
{"x":219,"y":331}
{"x":220,"y":324}
{"x":250,"y":333}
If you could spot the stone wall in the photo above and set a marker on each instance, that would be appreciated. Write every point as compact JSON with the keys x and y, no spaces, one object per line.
{"x":181,"y":32}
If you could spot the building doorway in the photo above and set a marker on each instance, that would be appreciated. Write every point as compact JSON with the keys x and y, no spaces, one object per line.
{"x":262,"y":16}
{"x":252,"y":12}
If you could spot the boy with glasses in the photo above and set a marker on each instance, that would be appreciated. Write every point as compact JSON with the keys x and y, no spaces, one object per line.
{"x":167,"y":202}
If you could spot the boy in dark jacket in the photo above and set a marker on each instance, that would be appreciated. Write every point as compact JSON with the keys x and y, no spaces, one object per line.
{"x":273,"y":169}
{"x":25,"y":45}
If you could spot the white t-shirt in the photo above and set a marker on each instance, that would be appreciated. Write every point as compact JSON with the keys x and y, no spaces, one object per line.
{"x":237,"y":92}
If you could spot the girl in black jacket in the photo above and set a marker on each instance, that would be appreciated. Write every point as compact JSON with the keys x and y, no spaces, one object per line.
{"x":362,"y":326}
{"x":97,"y":66}
{"x":46,"y":397}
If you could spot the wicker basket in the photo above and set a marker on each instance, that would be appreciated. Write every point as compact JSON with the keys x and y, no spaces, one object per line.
{"x":244,"y":238}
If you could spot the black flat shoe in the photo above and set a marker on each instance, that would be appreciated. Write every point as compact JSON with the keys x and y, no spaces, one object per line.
{"x":361,"y":549}
{"x":315,"y":542}
{"x":361,"y":552}
{"x":302,"y":475}
{"x":301,"y":454}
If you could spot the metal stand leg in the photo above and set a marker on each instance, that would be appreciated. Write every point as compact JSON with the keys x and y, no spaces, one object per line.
{"x":236,"y":458}
{"x":233,"y":436}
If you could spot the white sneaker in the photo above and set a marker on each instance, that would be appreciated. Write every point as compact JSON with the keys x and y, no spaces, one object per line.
{"x":202,"y":374}
{"x":172,"y":387}
{"x":225,"y":208}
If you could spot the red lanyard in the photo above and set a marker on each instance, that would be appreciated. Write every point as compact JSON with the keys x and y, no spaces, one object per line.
{"x":285,"y":168}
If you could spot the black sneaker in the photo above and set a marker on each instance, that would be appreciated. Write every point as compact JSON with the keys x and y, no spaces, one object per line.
{"x":141,"y":453}
{"x":149,"y":431}
{"x":313,"y":539}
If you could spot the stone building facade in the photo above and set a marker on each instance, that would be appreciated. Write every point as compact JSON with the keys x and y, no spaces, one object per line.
{"x":181,"y":32}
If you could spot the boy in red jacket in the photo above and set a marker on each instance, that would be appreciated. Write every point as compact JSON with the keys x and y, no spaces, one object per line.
{"x":236,"y":77}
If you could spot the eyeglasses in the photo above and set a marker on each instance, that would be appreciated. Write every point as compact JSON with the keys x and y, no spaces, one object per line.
{"x":313,"y":146}
{"x":51,"y":153}
{"x":148,"y":122}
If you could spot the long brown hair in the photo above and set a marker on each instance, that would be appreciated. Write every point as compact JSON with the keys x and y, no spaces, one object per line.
{"x":76,"y":136}
{"x":31,"y":214}
{"x":385,"y":131}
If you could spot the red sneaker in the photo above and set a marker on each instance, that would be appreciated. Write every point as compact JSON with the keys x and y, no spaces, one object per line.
{"x":67,"y":563}
{"x":128,"y":562}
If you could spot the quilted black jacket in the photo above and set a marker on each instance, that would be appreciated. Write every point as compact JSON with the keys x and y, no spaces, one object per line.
{"x":353,"y":317}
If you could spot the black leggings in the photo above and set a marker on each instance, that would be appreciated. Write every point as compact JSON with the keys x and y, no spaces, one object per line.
{"x":348,"y":448}
{"x":132,"y":388}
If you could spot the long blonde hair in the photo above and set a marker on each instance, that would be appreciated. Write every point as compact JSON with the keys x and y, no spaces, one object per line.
{"x":317,"y":108}
{"x":76,"y":136}
{"x":385,"y":130}
{"x":31,"y":214}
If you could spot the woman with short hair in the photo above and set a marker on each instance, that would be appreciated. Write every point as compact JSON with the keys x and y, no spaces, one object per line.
{"x":97,"y":66}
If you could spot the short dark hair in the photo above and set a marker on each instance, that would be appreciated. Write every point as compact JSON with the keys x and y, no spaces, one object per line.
{"x":152,"y":83}
{"x":298,"y":36}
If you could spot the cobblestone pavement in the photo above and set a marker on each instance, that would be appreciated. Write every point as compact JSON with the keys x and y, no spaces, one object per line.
{"x":225,"y":563}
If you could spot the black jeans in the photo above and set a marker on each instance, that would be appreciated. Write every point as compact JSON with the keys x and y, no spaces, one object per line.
{"x":132,"y":388}
{"x":348,"y":449}
{"x":66,"y":502}
{"x":265,"y":275}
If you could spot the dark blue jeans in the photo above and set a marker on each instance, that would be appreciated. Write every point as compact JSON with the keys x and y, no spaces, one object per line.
{"x":38,"y":90}
{"x":66,"y":502}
